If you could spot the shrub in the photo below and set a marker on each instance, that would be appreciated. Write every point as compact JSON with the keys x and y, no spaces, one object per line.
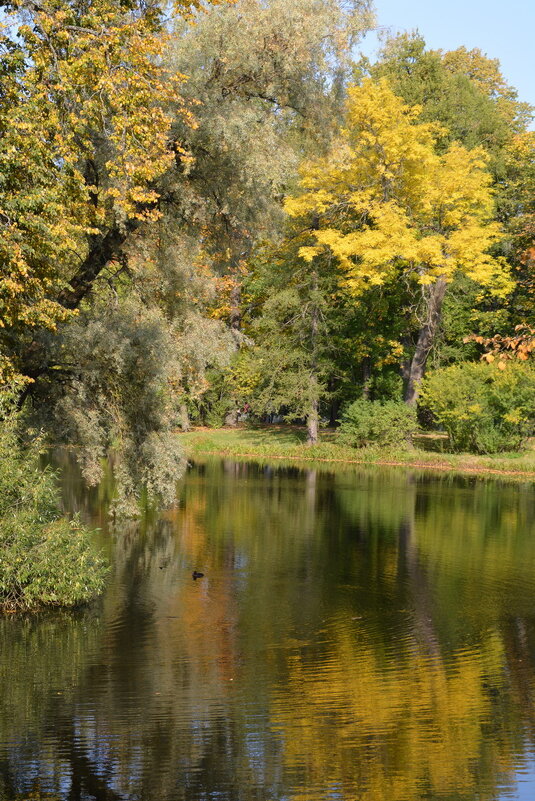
{"x":45,"y":559}
{"x":382,"y":422}
{"x":386,"y":385}
{"x":483,"y":409}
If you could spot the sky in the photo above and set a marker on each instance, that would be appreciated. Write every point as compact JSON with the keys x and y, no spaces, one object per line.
{"x":503,"y":30}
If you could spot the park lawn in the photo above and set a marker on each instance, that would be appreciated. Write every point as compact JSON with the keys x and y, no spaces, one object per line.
{"x":288,"y":444}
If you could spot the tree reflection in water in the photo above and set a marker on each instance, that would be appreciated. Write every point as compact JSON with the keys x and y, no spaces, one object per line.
{"x":357,"y":635}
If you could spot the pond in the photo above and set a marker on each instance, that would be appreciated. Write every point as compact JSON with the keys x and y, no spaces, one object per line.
{"x":358,"y":634}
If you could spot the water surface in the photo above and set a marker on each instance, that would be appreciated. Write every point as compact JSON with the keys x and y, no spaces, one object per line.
{"x":364,"y":635}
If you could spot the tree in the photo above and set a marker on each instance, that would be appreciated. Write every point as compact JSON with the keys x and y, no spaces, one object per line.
{"x":85,"y":115}
{"x":466,"y":93}
{"x":485,"y":74}
{"x":312,"y":344}
{"x":159,"y":201}
{"x":462,"y":89}
{"x":270,"y":82}
{"x":267,"y":83}
{"x":390,"y":207}
{"x":297,"y":315}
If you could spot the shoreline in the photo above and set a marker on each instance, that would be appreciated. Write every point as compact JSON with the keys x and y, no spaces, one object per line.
{"x":285,"y":444}
{"x":371,"y":463}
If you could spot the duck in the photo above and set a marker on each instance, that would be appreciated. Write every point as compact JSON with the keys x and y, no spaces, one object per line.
{"x":196,"y":575}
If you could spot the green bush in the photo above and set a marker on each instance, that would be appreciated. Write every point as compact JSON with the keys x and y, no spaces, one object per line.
{"x":382,"y":422}
{"x":45,"y":559}
{"x":386,"y":385}
{"x":483,"y":409}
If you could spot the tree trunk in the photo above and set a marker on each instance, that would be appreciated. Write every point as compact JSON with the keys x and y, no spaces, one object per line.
{"x":434,"y":297}
{"x":184,"y":421}
{"x":313,"y":415}
{"x":334,"y":410}
{"x":235,"y":305}
{"x":366,"y":377}
{"x":312,"y":423}
{"x":406,"y":363}
{"x":102,"y":249}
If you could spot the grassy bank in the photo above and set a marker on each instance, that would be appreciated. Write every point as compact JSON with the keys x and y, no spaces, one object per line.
{"x":288,"y":444}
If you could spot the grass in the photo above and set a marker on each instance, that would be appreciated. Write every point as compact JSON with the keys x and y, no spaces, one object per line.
{"x":288,"y":444}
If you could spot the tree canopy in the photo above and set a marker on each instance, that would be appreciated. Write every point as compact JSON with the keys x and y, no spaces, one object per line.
{"x":388,"y":205}
{"x":211,"y":205}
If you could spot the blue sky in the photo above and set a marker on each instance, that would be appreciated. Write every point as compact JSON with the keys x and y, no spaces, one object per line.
{"x":503,"y":30}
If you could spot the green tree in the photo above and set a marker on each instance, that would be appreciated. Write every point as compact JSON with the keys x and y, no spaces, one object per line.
{"x":463,"y":90}
{"x":300,"y":320}
{"x":312,"y":346}
{"x":270,"y":82}
{"x":484,"y":408}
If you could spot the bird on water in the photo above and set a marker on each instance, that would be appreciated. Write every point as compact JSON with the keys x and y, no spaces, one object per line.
{"x":196,"y":575}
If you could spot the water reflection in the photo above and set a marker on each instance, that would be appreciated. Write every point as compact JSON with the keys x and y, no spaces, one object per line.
{"x":358,"y":635}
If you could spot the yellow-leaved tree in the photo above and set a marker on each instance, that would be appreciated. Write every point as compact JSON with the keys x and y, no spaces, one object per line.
{"x":389,"y":206}
{"x":86,"y":107}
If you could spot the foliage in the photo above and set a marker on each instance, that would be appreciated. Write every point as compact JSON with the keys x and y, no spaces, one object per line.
{"x":462,"y":89}
{"x":85,"y":117}
{"x":466,"y":93}
{"x":517,"y":207}
{"x":162,"y":188}
{"x":304,"y":321}
{"x":215,"y":403}
{"x":388,"y":203}
{"x":466,"y":308}
{"x":484,"y":409}
{"x":382,"y":422}
{"x":269,"y":79}
{"x":46,"y":559}
{"x":519,"y":346}
{"x":258,"y":76}
{"x":124,"y":368}
{"x":485,"y":74}
{"x":384,"y":385}
{"x":121,"y":398}
{"x":299,"y":318}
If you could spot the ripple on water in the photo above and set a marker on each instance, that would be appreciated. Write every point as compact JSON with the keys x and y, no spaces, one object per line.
{"x":365,"y":637}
